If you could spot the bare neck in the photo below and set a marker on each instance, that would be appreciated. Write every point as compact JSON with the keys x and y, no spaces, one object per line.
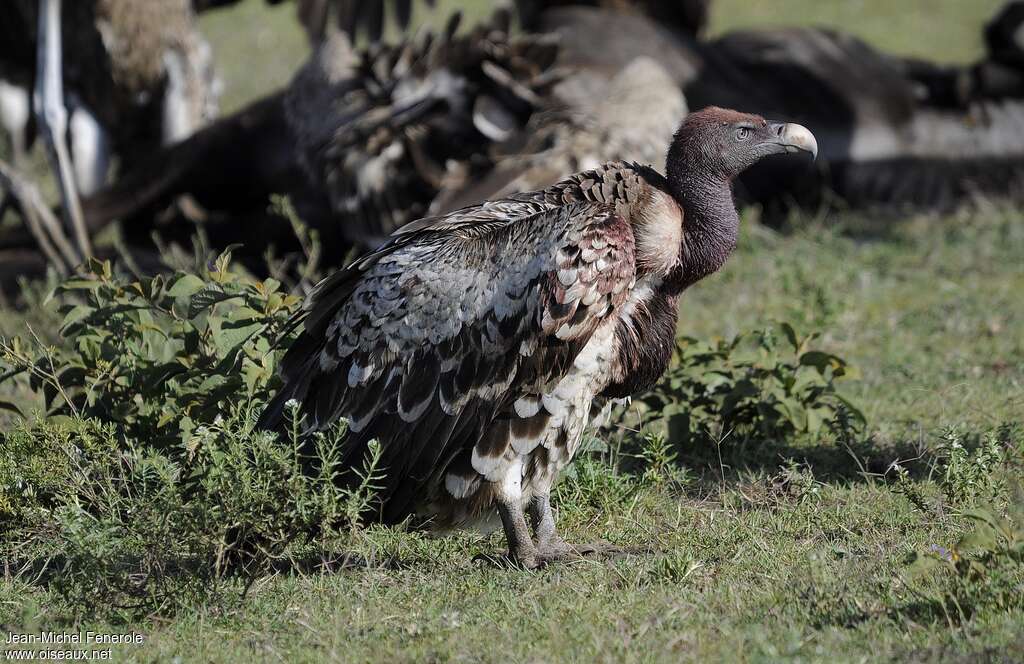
{"x":710,"y":222}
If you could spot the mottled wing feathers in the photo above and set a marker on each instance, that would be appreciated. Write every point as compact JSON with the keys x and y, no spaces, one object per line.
{"x":425,"y":342}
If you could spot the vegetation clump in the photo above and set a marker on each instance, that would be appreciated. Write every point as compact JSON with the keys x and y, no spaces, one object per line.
{"x":764,"y":385}
{"x":146,"y":486}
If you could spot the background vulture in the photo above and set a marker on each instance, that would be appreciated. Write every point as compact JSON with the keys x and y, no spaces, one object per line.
{"x":642,"y":109}
{"x":381,"y":131}
{"x":362,"y":140}
{"x":366,"y":139}
{"x":474,"y":345}
{"x":121,"y":78}
{"x":895,"y":133}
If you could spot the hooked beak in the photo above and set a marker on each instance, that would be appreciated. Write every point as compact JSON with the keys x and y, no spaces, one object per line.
{"x":795,"y":138}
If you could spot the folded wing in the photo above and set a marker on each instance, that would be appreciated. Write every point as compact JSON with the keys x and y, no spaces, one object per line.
{"x":422,"y":343}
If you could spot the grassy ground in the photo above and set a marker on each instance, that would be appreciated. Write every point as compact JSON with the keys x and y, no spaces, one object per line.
{"x":786,"y":551}
{"x":795,"y":549}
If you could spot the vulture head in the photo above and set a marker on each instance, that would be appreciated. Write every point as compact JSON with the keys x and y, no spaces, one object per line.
{"x":722,"y":143}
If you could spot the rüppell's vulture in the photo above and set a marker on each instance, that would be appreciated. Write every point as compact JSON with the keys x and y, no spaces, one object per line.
{"x":473,"y":345}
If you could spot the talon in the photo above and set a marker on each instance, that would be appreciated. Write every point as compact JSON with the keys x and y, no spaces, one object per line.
{"x":565,"y":551}
{"x":510,"y":560}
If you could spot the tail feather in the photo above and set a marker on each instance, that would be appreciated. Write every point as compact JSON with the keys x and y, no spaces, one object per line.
{"x":299,"y":368}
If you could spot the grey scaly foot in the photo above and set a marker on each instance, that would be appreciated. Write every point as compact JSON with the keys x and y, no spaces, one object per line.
{"x":550,"y":544}
{"x":521,"y":549}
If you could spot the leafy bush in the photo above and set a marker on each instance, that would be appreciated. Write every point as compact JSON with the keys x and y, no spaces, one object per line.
{"x":37,"y":466}
{"x":969,"y":476}
{"x":147,"y":487}
{"x":157,"y":356}
{"x":750,"y":387}
{"x":968,"y":468}
{"x":589,"y":483}
{"x":133,"y":530}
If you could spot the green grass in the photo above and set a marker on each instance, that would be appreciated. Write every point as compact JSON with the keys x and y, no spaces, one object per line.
{"x":794,"y":550}
{"x":929,"y":305}
{"x":742,"y":563}
{"x":257,"y":49}
{"x":946,"y":30}
{"x":766,"y":582}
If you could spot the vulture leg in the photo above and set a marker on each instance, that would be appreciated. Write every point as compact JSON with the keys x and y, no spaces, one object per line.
{"x":90,"y":151}
{"x":178,"y":123}
{"x":53,"y":116}
{"x":15,"y":110}
{"x":543,"y":518}
{"x":190,"y":97}
{"x":550,"y":545}
{"x":520,"y":546}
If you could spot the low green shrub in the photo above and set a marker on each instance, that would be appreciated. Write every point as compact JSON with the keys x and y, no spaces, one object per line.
{"x":984,"y":568}
{"x":967,"y":468}
{"x":157,"y":356}
{"x":753,"y":386}
{"x":40,"y":463}
{"x":120,"y":527}
{"x":970,"y":475}
{"x":146,"y":486}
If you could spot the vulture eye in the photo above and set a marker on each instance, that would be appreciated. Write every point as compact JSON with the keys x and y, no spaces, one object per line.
{"x":743,"y":133}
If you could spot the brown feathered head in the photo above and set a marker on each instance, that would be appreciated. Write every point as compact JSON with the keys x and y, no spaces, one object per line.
{"x":722,"y":143}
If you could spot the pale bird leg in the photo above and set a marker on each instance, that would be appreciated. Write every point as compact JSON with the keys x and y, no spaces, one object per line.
{"x":177,"y":121}
{"x":15,"y":109}
{"x":550,"y":545}
{"x":90,"y":151}
{"x":543,"y":519}
{"x":53,"y":117}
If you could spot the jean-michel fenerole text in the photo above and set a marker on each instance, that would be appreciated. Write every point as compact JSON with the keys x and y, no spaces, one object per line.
{"x":76,"y":638}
